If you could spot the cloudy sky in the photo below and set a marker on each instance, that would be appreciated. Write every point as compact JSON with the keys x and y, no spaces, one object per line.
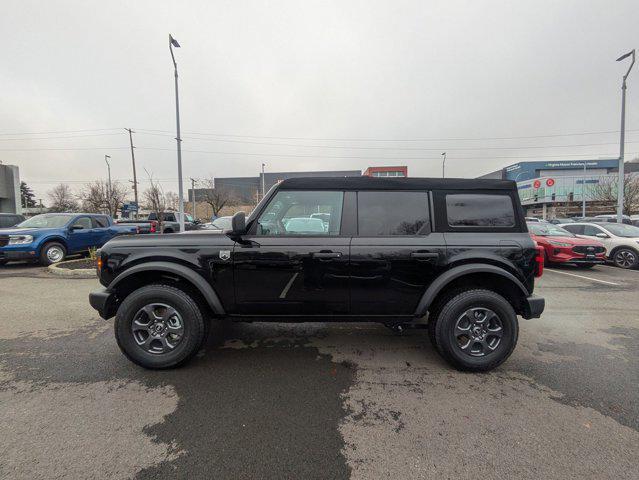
{"x":310,"y":85}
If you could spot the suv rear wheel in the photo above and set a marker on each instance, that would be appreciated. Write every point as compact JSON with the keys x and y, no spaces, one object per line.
{"x":159,"y":326}
{"x":475,"y":330}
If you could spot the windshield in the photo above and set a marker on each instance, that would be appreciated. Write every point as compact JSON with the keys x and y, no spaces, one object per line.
{"x":622,"y":230}
{"x":544,"y":230}
{"x":46,"y":220}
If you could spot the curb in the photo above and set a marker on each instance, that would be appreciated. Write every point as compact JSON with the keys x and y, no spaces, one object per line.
{"x":64,"y":272}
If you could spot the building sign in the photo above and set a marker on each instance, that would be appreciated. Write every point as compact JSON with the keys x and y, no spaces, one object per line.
{"x":536,"y":184}
{"x":550,"y":182}
{"x":529,"y":170}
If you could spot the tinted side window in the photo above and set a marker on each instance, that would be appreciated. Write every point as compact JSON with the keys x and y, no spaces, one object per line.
{"x":100,"y":222}
{"x":84,"y":222}
{"x":591,"y":230}
{"x":480,"y":210}
{"x":576,"y":229}
{"x":302,"y":213}
{"x":392,"y":213}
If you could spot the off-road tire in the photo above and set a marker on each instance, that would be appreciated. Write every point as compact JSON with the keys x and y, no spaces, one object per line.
{"x":453,"y":309}
{"x":191,"y":316}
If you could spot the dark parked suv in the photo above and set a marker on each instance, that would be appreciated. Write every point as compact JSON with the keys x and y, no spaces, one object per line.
{"x":452,"y":253}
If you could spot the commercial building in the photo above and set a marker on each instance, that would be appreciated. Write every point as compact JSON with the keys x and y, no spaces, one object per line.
{"x":398,"y":171}
{"x":246,"y":190}
{"x":10,"y":189}
{"x":565,"y":183}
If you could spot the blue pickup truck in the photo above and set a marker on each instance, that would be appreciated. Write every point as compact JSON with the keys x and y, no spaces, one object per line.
{"x":50,"y":237}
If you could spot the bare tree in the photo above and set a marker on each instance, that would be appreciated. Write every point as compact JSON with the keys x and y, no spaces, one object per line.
{"x":605,"y":191}
{"x":156,"y":200}
{"x":172,"y":200}
{"x":98,"y":197}
{"x":62,"y":199}
{"x":217,"y":198}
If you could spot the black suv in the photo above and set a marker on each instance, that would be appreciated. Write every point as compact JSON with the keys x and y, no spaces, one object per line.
{"x":452,"y":253}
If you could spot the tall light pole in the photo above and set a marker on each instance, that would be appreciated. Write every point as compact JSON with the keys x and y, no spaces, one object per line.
{"x":583,"y":194}
{"x":193,"y":198}
{"x":173,"y":43}
{"x":620,"y":186}
{"x":263,"y":180}
{"x":444,"y":165}
{"x":135,"y":175}
{"x":106,"y":159}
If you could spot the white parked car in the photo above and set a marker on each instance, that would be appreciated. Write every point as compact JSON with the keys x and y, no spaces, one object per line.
{"x":621,"y":240}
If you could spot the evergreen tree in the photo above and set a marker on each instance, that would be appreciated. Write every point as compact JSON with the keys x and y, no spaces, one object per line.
{"x":27,"y":195}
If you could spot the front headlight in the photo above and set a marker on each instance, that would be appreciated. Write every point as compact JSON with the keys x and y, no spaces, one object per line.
{"x":560,"y":244}
{"x":20,"y":239}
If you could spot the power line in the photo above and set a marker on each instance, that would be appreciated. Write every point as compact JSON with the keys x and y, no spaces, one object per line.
{"x":60,"y":131}
{"x":444,"y":139}
{"x":357,"y":147}
{"x":57,"y":138}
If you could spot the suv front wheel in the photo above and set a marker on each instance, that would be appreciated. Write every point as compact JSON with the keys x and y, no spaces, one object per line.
{"x":475,"y":330}
{"x":159,"y":326}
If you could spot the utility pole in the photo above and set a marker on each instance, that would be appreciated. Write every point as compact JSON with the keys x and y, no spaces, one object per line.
{"x":444,"y":165}
{"x":263,"y":180}
{"x":135,"y":177}
{"x":621,"y":180}
{"x":193,"y":197}
{"x":174,"y":43}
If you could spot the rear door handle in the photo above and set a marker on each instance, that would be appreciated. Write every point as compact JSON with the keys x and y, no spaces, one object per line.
{"x":424,"y":256}
{"x":325,"y":256}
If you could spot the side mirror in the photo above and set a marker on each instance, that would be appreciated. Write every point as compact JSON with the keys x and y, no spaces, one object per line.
{"x":238,"y":224}
{"x":77,"y":227}
{"x":601,"y":235}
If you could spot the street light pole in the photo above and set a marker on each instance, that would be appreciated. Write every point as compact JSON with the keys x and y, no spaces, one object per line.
{"x":620,"y":185}
{"x":444,"y":165}
{"x":193,"y":197}
{"x":173,"y":43}
{"x":106,"y":157}
{"x":583,"y":194}
{"x":263,"y":180}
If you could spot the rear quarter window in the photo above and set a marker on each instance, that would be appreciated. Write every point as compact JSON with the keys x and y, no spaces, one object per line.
{"x":478,"y":211}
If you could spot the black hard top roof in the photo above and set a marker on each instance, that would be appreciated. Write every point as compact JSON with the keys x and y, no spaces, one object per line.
{"x":394,"y":183}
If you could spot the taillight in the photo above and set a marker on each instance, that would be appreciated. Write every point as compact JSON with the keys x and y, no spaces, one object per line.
{"x":539,"y":261}
{"x":153,"y":227}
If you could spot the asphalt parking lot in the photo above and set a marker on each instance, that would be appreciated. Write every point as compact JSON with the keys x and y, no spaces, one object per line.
{"x":317,"y":400}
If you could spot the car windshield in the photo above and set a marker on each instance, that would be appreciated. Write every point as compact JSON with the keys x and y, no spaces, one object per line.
{"x":548,"y":230}
{"x":622,"y":230}
{"x":46,"y":220}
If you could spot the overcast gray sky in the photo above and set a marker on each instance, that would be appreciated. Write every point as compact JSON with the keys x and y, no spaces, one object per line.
{"x":326,"y":73}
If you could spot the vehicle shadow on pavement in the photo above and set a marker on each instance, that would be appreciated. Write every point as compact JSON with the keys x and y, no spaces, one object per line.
{"x":270,"y":410}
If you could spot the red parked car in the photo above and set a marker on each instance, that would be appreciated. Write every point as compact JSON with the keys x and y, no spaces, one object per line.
{"x":561,"y":246}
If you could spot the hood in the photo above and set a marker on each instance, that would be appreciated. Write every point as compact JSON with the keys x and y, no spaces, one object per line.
{"x":176,"y":240}
{"x":27,"y":231}
{"x":570,"y":240}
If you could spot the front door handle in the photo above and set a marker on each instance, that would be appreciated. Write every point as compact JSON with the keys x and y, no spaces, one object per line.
{"x":325,"y":256}
{"x":424,"y":256}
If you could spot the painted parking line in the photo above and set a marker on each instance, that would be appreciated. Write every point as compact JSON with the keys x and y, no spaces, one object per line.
{"x":620,"y":269}
{"x":583,"y":276}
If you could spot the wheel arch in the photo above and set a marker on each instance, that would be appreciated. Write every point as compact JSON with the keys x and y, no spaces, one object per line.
{"x":475,"y":276}
{"x":165,"y":272}
{"x":616,"y":248}
{"x":53,"y":239}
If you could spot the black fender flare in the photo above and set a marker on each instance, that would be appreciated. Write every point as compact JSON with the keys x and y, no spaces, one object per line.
{"x":445,"y":278}
{"x":186,"y":273}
